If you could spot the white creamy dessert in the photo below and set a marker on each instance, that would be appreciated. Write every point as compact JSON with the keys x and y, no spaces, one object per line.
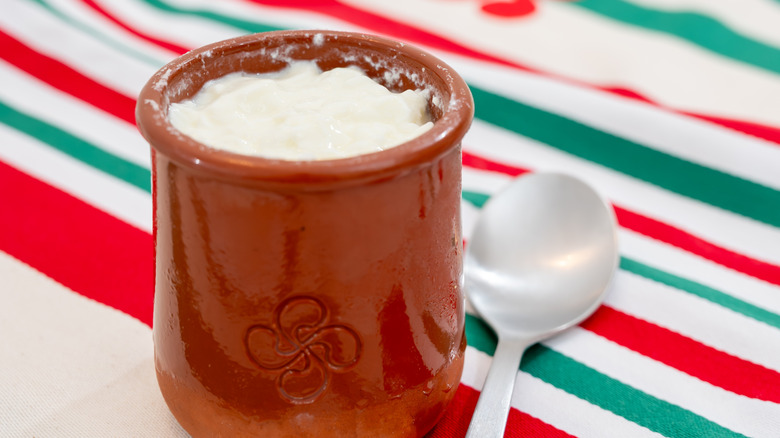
{"x":301,"y":113}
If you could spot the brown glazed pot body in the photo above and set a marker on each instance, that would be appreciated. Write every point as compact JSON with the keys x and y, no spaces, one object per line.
{"x":308,"y":298}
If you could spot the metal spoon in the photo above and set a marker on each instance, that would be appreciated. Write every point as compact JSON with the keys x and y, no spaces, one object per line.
{"x":539,"y":261}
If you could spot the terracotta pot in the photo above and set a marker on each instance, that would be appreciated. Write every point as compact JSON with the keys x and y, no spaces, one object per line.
{"x":308,"y":298}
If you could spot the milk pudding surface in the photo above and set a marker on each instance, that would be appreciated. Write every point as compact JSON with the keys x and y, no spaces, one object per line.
{"x":301,"y":113}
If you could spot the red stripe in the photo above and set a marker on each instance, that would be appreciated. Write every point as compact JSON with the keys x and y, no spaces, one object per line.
{"x":66,"y":79}
{"x":115,"y":266}
{"x":410,"y":33}
{"x":70,"y":81}
{"x":660,"y":231}
{"x":477,"y":162}
{"x":693,"y":358}
{"x":403,"y":31}
{"x":114,"y":19}
{"x":456,"y":420}
{"x":105,"y":259}
{"x":387,"y":26}
{"x":77,"y":245}
{"x":696,"y":245}
{"x":707,"y":364}
{"x":757,"y":130}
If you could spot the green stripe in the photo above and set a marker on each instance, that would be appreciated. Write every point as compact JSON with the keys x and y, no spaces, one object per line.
{"x":246,"y":25}
{"x":541,"y":362}
{"x":683,"y":284}
{"x":474,"y":198}
{"x":701,"y":291}
{"x":686,"y":178}
{"x":681,"y":176}
{"x":77,"y":148}
{"x":588,"y":384}
{"x":100,"y":36}
{"x":140,"y":177}
{"x":477,"y":199}
{"x":698,"y":29}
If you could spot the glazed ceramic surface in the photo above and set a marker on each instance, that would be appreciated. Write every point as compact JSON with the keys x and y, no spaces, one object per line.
{"x":308,"y":298}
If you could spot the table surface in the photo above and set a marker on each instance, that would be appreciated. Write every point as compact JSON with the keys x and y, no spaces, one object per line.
{"x":670,"y":109}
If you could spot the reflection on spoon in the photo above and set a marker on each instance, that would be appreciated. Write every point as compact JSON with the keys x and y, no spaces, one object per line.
{"x":540,"y":259}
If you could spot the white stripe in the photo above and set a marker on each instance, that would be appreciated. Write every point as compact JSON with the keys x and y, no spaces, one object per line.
{"x":73,"y":367}
{"x":755,"y":239}
{"x":180,"y":29}
{"x":279,"y":16}
{"x":654,"y":253}
{"x":602,"y":52}
{"x":554,"y":406}
{"x":755,"y":418}
{"x":193,"y":31}
{"x":122,"y":200}
{"x":673,"y":260}
{"x":189,"y":30}
{"x":696,"y":318}
{"x":482,"y":181}
{"x":756,"y":19}
{"x":681,"y":136}
{"x":57,"y":108}
{"x":687,"y":138}
{"x":50,"y":36}
{"x":89,"y":18}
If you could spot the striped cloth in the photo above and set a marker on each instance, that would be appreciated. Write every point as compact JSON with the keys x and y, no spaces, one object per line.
{"x":670,"y":108}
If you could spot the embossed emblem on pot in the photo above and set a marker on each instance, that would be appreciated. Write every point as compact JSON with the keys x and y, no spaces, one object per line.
{"x":303,"y":348}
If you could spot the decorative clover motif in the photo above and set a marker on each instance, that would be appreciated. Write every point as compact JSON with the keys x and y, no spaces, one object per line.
{"x":302,"y":348}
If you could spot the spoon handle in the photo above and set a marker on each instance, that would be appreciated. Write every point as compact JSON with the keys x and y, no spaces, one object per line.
{"x":489,"y":419}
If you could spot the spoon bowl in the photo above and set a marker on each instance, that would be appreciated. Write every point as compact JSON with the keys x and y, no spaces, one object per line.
{"x":539,"y":261}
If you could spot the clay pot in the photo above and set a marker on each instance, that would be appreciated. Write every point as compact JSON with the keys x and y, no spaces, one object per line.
{"x":308,"y":298}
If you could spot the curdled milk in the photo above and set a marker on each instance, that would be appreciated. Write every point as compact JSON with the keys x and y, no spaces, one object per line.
{"x":301,"y":113}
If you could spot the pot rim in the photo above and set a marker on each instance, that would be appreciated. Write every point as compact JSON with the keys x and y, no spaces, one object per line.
{"x":445,"y":134}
